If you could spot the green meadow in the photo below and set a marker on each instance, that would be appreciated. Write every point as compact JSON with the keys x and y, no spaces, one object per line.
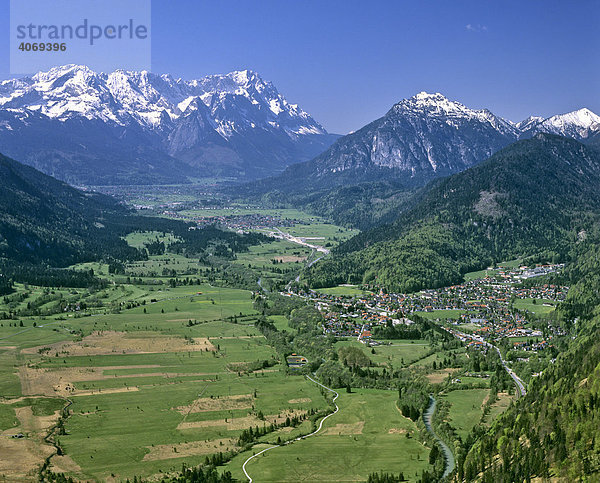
{"x":537,"y":308}
{"x":126,"y":416}
{"x":453,"y":314}
{"x":115,"y":433}
{"x":394,"y":353}
{"x":466,"y":409}
{"x":368,"y":434}
{"x":343,"y":290}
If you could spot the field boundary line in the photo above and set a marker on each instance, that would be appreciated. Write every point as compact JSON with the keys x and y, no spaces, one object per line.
{"x":193,"y":405}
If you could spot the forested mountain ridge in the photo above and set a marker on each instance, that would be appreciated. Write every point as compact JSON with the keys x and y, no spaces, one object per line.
{"x":46,"y":220}
{"x":536,"y":197}
{"x":361,"y":206}
{"x":46,"y":225}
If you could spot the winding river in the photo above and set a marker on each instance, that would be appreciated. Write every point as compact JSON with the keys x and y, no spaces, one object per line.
{"x":448,"y":456}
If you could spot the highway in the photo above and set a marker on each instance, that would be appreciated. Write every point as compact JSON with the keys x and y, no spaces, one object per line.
{"x":300,"y":241}
{"x":517,"y":380}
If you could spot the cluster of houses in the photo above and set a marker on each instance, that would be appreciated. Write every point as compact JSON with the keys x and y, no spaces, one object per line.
{"x":238,"y":223}
{"x":539,"y":271}
{"x":483,"y":308}
{"x":523,"y":272}
{"x":245,"y":223}
{"x":530,"y":345}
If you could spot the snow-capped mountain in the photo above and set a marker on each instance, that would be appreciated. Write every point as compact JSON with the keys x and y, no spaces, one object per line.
{"x":421,"y":138}
{"x":581,"y":124}
{"x":528,"y":123}
{"x":235,"y":125}
{"x":436,"y":106}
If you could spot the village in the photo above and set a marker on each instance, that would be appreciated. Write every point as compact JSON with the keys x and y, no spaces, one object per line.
{"x":240,"y":223}
{"x":479,"y":311}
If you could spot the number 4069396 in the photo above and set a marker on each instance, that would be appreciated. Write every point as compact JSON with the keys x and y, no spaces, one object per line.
{"x":43,"y":47}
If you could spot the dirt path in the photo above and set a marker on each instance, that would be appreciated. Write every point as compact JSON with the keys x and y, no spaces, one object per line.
{"x":337,"y":408}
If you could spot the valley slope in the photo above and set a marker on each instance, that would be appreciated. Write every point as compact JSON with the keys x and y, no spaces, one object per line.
{"x":533,"y":198}
{"x":551,"y":433}
{"x":43,"y":220}
{"x":47,"y":225}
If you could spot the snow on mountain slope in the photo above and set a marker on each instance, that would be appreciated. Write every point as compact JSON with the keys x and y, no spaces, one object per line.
{"x":452,"y":112}
{"x":70,"y":119}
{"x":204,"y":122}
{"x":579,"y":124}
{"x":421,"y":138}
{"x":124,"y":97}
{"x":424,"y":136}
{"x":528,"y":123}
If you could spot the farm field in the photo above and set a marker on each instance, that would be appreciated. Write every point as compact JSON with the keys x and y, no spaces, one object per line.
{"x":367,"y":435}
{"x":469,"y":328}
{"x":175,"y":419}
{"x":341,"y":290}
{"x":279,"y":253}
{"x":148,"y":391}
{"x":400,"y":353}
{"x":164,"y":265}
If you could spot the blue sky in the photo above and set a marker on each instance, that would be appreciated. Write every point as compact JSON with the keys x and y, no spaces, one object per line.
{"x":347,"y":62}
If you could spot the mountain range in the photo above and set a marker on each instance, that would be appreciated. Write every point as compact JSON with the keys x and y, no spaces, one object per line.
{"x":126,"y":127}
{"x":424,"y":137}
